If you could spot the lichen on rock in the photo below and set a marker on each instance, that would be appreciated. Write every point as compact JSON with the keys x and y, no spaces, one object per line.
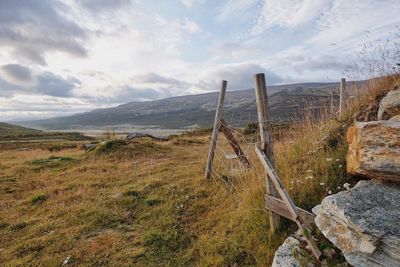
{"x":363,"y":223}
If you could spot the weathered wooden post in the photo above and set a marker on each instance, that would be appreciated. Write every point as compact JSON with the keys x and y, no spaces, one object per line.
{"x":266,"y":138}
{"x":214,"y":136}
{"x":342,"y":91}
{"x":333,"y":109}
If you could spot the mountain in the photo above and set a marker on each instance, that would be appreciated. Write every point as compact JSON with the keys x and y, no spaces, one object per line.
{"x":7,"y":129}
{"x":285,"y":101}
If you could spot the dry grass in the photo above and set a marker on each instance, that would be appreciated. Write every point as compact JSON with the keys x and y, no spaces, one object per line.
{"x":131,"y":206}
{"x":147,"y":203}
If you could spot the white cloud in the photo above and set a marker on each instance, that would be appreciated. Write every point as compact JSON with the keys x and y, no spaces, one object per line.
{"x":288,"y":13}
{"x":347,"y":21}
{"x":190,"y":3}
{"x":236,"y":9}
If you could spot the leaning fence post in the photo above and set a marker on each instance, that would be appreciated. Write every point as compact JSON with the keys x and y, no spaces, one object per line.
{"x":266,"y":138}
{"x":342,"y":92}
{"x":214,"y":136}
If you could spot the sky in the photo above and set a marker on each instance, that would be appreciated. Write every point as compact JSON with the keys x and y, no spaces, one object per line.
{"x":59,"y":57}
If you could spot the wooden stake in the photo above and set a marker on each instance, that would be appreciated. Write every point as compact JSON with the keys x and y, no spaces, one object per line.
{"x":288,"y":201}
{"x":266,"y":139}
{"x":214,"y":135}
{"x":342,"y":91}
{"x":234,"y":144}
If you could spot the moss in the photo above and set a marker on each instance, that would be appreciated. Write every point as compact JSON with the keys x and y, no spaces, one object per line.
{"x":36,"y":199}
{"x":251,"y":128}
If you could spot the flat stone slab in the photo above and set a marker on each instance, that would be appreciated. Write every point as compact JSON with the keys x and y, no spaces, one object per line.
{"x":364,"y":223}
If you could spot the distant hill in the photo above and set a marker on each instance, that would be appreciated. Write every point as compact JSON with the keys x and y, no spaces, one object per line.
{"x":10,"y":132}
{"x":286,"y":101}
{"x":7,"y":129}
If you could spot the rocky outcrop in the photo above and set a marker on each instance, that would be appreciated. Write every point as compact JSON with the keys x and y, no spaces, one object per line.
{"x":395,"y":118}
{"x":390,"y":105}
{"x":363,"y":222}
{"x":284,"y":256}
{"x":374,"y":150}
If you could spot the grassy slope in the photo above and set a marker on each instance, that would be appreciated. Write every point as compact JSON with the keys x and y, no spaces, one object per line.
{"x":10,"y":132}
{"x":7,"y":129}
{"x":145,"y":204}
{"x":148,"y":208}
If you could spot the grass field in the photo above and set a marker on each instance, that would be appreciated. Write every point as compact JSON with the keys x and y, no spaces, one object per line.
{"x":147,"y":204}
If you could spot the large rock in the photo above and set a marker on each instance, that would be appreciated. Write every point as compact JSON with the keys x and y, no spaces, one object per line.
{"x":364,"y":223}
{"x":374,"y":150}
{"x":395,"y":118}
{"x":284,"y":256}
{"x":390,"y":105}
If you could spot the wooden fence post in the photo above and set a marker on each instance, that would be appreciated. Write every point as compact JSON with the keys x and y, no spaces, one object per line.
{"x":214,"y":136}
{"x":342,"y":91}
{"x":266,"y":139}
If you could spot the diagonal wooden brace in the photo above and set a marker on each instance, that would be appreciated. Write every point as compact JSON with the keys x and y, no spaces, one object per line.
{"x":291,"y":207}
{"x":234,"y":144}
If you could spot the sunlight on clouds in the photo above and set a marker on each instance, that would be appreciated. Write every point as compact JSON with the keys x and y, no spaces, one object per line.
{"x":91,"y":53}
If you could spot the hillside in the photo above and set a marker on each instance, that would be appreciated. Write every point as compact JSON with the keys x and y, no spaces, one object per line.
{"x":183,"y":111}
{"x":10,"y":132}
{"x":7,"y":129}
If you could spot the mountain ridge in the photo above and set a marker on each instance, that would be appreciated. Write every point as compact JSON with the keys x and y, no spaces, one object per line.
{"x":187,"y":110}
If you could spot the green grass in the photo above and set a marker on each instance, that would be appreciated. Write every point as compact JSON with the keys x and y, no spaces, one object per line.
{"x":38,"y":198}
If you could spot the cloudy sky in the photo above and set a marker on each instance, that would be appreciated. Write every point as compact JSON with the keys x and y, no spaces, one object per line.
{"x":59,"y":57}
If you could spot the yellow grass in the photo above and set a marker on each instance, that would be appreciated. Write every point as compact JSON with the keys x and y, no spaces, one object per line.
{"x":129,"y":207}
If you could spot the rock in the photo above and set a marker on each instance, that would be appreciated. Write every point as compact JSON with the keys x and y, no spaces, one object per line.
{"x":88,"y":147}
{"x":395,"y":118}
{"x":132,"y":136}
{"x":284,"y":256}
{"x":390,"y":105}
{"x":374,"y":150}
{"x":363,"y":223}
{"x":67,"y":260}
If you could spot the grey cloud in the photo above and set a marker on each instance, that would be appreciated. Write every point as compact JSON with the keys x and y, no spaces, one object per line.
{"x":141,"y":94}
{"x":128,"y":94}
{"x":7,"y":89}
{"x":325,"y":63}
{"x":156,"y":78}
{"x":14,"y":77}
{"x":103,"y":5}
{"x":54,"y":85}
{"x":239,"y":77}
{"x":33,"y":28}
{"x":17,"y":73}
{"x":301,"y":64}
{"x":148,"y":86}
